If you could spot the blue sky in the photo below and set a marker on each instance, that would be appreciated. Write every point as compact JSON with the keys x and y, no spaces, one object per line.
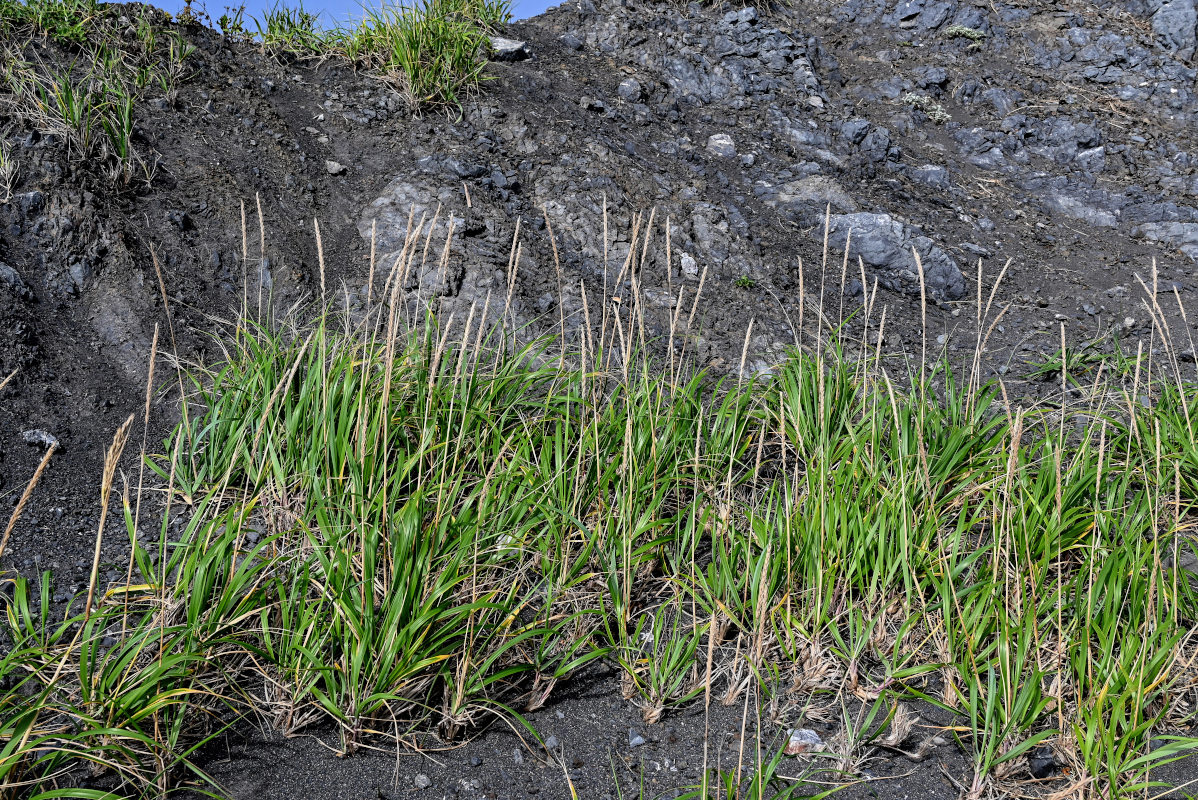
{"x":339,"y":11}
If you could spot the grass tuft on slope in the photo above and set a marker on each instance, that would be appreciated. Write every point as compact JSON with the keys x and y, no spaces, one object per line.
{"x":434,"y":50}
{"x":108,"y":62}
{"x":407,"y":530}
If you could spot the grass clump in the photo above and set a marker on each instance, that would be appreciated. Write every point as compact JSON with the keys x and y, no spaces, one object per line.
{"x":62,"y":21}
{"x":964,"y":32}
{"x":90,"y":100}
{"x":288,"y":30}
{"x":435,"y":51}
{"x":927,"y":105}
{"x":10,"y":172}
{"x":401,"y":527}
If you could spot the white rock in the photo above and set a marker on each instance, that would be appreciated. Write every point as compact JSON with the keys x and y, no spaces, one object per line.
{"x":803,"y":740}
{"x":690,"y":267}
{"x":39,"y":437}
{"x":721,"y":144}
{"x":508,"y":49}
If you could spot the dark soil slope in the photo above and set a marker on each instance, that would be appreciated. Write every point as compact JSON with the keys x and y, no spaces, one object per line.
{"x":1061,"y":137}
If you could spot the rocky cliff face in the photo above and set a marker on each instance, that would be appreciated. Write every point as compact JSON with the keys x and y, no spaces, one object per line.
{"x":1060,"y":137}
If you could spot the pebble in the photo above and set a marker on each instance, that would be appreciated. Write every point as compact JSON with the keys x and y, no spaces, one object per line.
{"x":422,"y":781}
{"x":634,"y":738}
{"x":39,"y":437}
{"x":630,"y":89}
{"x":508,"y":49}
{"x":803,"y":740}
{"x":721,"y":144}
{"x":1041,"y":762}
{"x":334,"y":168}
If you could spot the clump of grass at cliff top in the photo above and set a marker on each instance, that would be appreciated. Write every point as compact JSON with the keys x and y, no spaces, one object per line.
{"x":59,"y":20}
{"x":90,"y":99}
{"x":434,"y":50}
{"x":404,"y":528}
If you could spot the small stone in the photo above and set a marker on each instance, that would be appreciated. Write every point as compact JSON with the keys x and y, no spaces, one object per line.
{"x":854,"y":130}
{"x":932,"y":175}
{"x":976,"y":249}
{"x":804,"y":740}
{"x":721,"y":144}
{"x":570,"y":41}
{"x":508,"y":49}
{"x":12,"y":279}
{"x":180,"y":219}
{"x":634,"y":738}
{"x":39,"y":437}
{"x":30,"y":202}
{"x":630,"y":89}
{"x":551,"y":743}
{"x":690,"y":267}
{"x":517,"y":757}
{"x":1040,"y":762}
{"x":334,"y":168}
{"x":422,"y":781}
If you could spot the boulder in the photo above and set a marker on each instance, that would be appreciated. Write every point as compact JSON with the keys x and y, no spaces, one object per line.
{"x":1182,"y":235}
{"x":805,"y":200}
{"x":630,"y":89}
{"x":885,"y":246}
{"x":10,"y":278}
{"x":1175,"y":23}
{"x":508,"y":49}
